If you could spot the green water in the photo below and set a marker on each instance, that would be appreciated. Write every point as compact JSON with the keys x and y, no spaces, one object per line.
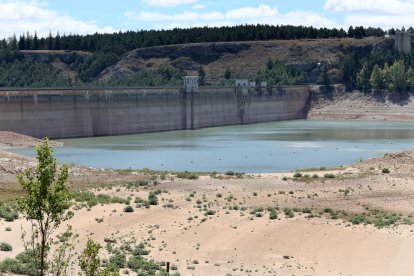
{"x":267,"y":147}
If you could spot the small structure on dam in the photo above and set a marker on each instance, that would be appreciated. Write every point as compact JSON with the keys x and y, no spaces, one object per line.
{"x":190,"y":82}
{"x":404,"y":42}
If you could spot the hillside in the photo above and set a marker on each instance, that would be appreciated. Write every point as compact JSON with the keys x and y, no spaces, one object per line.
{"x":240,"y":59}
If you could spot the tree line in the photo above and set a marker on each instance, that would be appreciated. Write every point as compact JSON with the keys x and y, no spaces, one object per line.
{"x":122,"y":42}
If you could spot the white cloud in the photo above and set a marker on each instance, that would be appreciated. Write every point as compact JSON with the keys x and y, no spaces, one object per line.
{"x":17,"y":17}
{"x":263,"y":14}
{"x":375,"y":13}
{"x":199,"y":6}
{"x":168,"y":3}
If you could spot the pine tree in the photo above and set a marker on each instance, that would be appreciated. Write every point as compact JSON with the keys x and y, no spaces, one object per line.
{"x":363,"y":77}
{"x":410,"y":78}
{"x":398,"y":77}
{"x":376,"y":79}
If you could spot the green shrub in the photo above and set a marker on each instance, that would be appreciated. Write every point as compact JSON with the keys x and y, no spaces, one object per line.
{"x":307,"y":210}
{"x":187,"y":175}
{"x":140,"y":250}
{"x":141,"y":266}
{"x":288,"y":213}
{"x":152,"y":199}
{"x":329,"y":175}
{"x":118,"y":260}
{"x":4,"y":246}
{"x":24,"y":263}
{"x":385,"y":170}
{"x":273,"y":214}
{"x":358,"y":219}
{"x":128,"y":209}
{"x":8,"y":212}
{"x":210,"y":213}
{"x":297,"y":175}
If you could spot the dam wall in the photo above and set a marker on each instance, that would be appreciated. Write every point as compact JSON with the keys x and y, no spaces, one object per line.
{"x":65,"y":113}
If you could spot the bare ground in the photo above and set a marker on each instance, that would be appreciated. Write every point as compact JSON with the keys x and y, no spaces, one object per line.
{"x":363,"y":106}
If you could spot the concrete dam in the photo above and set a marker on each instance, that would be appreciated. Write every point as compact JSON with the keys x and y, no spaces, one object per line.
{"x":82,"y":112}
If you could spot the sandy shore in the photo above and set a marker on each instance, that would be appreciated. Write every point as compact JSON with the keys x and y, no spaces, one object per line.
{"x":360,"y":106}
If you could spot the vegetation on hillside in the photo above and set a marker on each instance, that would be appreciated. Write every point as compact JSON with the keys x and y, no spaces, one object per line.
{"x":386,"y":70}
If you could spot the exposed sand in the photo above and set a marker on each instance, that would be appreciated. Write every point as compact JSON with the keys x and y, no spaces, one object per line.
{"x":232,"y":242}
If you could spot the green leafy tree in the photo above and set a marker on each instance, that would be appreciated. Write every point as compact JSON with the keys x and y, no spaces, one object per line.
{"x":398,"y":77}
{"x":363,"y":77}
{"x":376,"y":79}
{"x":410,"y":78}
{"x":386,"y":76}
{"x":89,"y":261}
{"x":46,"y":201}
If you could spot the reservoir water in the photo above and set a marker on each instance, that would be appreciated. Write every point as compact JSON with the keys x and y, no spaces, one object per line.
{"x":266,"y":147}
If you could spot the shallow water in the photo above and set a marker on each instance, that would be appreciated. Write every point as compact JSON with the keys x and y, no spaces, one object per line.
{"x":267,"y":147}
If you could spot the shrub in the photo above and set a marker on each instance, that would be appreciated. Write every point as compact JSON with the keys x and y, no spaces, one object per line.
{"x":307,"y":210}
{"x":8,"y":229}
{"x":140,"y":250}
{"x":4,"y":246}
{"x":128,"y":209}
{"x":385,"y":170}
{"x":329,"y":175}
{"x":230,"y":173}
{"x":24,"y":263}
{"x":358,"y":219}
{"x":273,"y":214}
{"x":210,"y":213}
{"x":152,"y":199}
{"x":288,"y":213}
{"x":8,"y":212}
{"x":118,"y":260}
{"x":297,"y":175}
{"x":187,"y":175}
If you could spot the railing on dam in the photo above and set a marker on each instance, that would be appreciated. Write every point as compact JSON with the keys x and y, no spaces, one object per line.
{"x":7,"y":92}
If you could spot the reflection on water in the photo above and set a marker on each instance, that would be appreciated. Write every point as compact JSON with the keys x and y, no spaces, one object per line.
{"x":268,"y":147}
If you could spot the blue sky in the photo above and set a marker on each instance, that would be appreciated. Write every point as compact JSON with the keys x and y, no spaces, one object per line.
{"x":89,"y":16}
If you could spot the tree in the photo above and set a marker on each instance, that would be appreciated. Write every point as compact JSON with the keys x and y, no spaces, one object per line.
{"x":398,"y":77}
{"x":363,"y":77}
{"x":325,"y":76}
{"x":89,"y":261}
{"x":410,"y":78}
{"x":201,"y":75}
{"x":227,"y":74}
{"x":376,"y":80}
{"x":46,"y":201}
{"x":385,"y":76}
